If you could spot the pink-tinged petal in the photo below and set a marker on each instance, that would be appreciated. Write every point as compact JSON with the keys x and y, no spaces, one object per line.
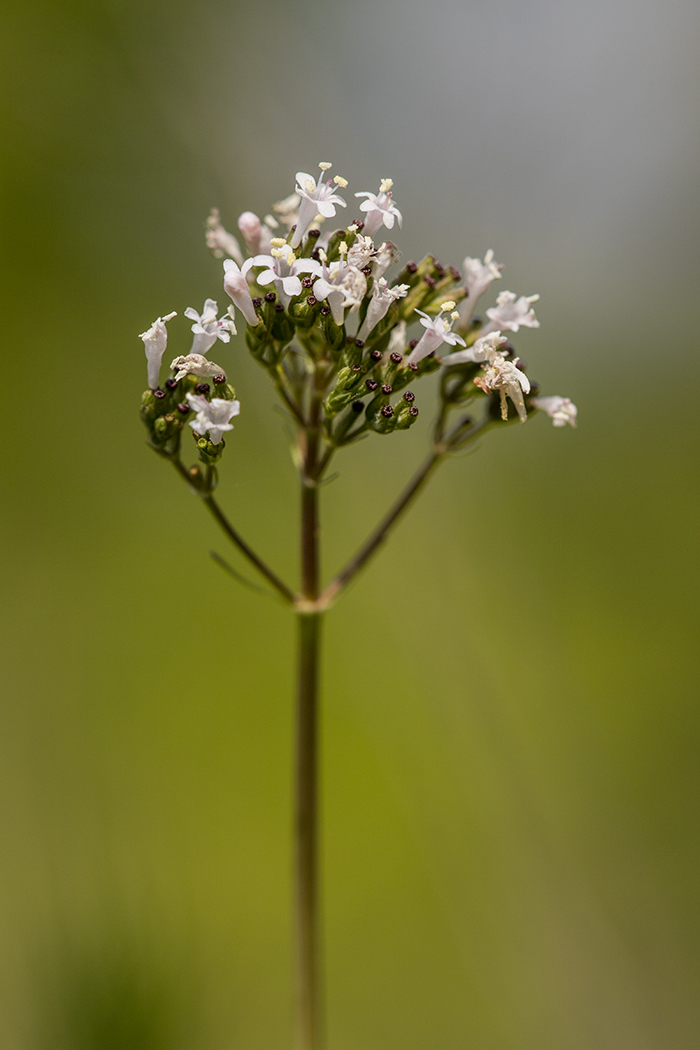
{"x":388,"y":220}
{"x":398,"y":215}
{"x":367,"y":205}
{"x":364,"y":193}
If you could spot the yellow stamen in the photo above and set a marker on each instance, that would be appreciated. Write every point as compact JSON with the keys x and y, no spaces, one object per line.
{"x":340,"y":181}
{"x":455,"y":315}
{"x":310,"y":186}
{"x":449,"y":305}
{"x":325,"y":165}
{"x":385,"y":185}
{"x":343,"y":248}
{"x":277,"y":242}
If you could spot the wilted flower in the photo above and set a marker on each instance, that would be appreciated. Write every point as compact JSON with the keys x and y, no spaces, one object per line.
{"x":196,"y":365}
{"x":213,"y":417}
{"x":503,"y":376}
{"x":155,"y":341}
{"x":559,"y":409}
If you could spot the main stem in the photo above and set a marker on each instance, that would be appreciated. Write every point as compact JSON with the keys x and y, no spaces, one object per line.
{"x":306,"y":781}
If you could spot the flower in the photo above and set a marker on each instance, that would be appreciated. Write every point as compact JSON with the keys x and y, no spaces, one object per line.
{"x":212,"y":416}
{"x":257,"y":235}
{"x":207,"y":328}
{"x":362,"y":251}
{"x":437,"y":332}
{"x":283,"y":267}
{"x":380,"y":209}
{"x":387,"y":252}
{"x":219,"y":240}
{"x":236,"y":286}
{"x":341,"y":285}
{"x":511,"y":313}
{"x":155,"y":341}
{"x":477,"y":278}
{"x":317,"y":198}
{"x":480,"y":351}
{"x":560,"y":410}
{"x":196,"y":365}
{"x":382,"y":298}
{"x":503,"y":376}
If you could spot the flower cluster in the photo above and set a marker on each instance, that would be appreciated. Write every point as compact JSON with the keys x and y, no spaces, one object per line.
{"x":331,"y":328}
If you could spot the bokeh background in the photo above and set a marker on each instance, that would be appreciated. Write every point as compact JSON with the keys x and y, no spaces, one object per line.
{"x":510,"y":741}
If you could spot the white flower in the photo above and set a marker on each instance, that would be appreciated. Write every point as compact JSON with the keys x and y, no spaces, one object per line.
{"x":219,"y":240}
{"x":236,"y":286}
{"x":511,"y":313}
{"x":212,"y":416}
{"x":559,"y":409}
{"x":437,"y":332}
{"x":317,"y":198}
{"x":207,"y":328}
{"x":480,"y":351}
{"x":477,"y":278}
{"x":397,"y":342}
{"x":155,"y":341}
{"x":503,"y":376}
{"x":341,"y":285}
{"x":380,"y":209}
{"x":387,"y":252}
{"x":382,"y":298}
{"x":283,"y":267}
{"x":196,"y":365}
{"x":362,"y":252}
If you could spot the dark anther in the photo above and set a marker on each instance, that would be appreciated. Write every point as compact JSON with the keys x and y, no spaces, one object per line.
{"x":183,"y":409}
{"x":358,"y":224}
{"x":316,"y":255}
{"x":413,"y":411}
{"x":270,"y":297}
{"x":293,"y":227}
{"x":279,"y":309}
{"x":307,"y":282}
{"x":376,"y":355}
{"x":409,"y":396}
{"x":170,"y":384}
{"x":413,"y":366}
{"x":430,"y":281}
{"x":371,"y":384}
{"x":357,"y":406}
{"x":359,"y":343}
{"x":387,"y":411}
{"x":325,"y":310}
{"x":340,"y":233}
{"x":367,"y":270}
{"x":355,"y":368}
{"x":439,"y":269}
{"x":387,"y":388}
{"x":412,"y":266}
{"x":202,"y":388}
{"x":312,"y":300}
{"x":170,"y":418}
{"x":314,"y":234}
{"x":160,"y":394}
{"x":413,"y":344}
{"x":455,"y":274}
{"x":395,"y":357}
{"x":519,"y":363}
{"x":220,"y":378}
{"x":257,"y":302}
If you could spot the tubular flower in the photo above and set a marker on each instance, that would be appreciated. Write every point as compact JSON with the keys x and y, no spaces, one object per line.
{"x":480,"y":351}
{"x":236,"y":286}
{"x":380,"y":209}
{"x":560,"y":410}
{"x":511,"y":313}
{"x":437,"y":332}
{"x":382,"y":298}
{"x":207,"y":328}
{"x":341,"y":285}
{"x":503,"y":376}
{"x":283,"y":267}
{"x":213,"y":417}
{"x":387,"y":252}
{"x":155,"y":341}
{"x":219,"y":240}
{"x":256,"y":235}
{"x":317,"y":198}
{"x":196,"y":365}
{"x":477,"y":278}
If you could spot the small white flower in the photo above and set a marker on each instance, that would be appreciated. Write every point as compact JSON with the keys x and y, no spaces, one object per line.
{"x":219,"y":240}
{"x":213,"y":417}
{"x":503,"y":376}
{"x":317,"y":198}
{"x":380,"y":208}
{"x":207,"y":328}
{"x":382,"y":298}
{"x":342,"y":286}
{"x":283,"y":267}
{"x":397,"y":342}
{"x":478,"y":276}
{"x":155,"y":341}
{"x":437,"y":332}
{"x":387,"y":253}
{"x":196,"y":365}
{"x":236,"y":286}
{"x":479,"y":352}
{"x":362,"y":252}
{"x":560,"y":410}
{"x":512,"y":313}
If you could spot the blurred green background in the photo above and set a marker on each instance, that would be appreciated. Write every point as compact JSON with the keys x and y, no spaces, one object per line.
{"x":511,"y":724}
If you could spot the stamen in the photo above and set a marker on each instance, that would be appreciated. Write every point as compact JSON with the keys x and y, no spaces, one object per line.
{"x":325,"y":165}
{"x":385,"y":185}
{"x":340,"y":181}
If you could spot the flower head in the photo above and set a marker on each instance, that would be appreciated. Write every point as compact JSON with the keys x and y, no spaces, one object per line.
{"x":196,"y":365}
{"x":236,"y":286}
{"x":155,"y":340}
{"x":503,"y":376}
{"x":207,"y":328}
{"x":362,"y":251}
{"x":512,"y":313}
{"x":438,"y":330}
{"x":382,"y":298}
{"x":317,"y":198}
{"x":213,"y":417}
{"x":219,"y":240}
{"x":341,"y":285}
{"x":560,"y":410}
{"x":380,"y":209}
